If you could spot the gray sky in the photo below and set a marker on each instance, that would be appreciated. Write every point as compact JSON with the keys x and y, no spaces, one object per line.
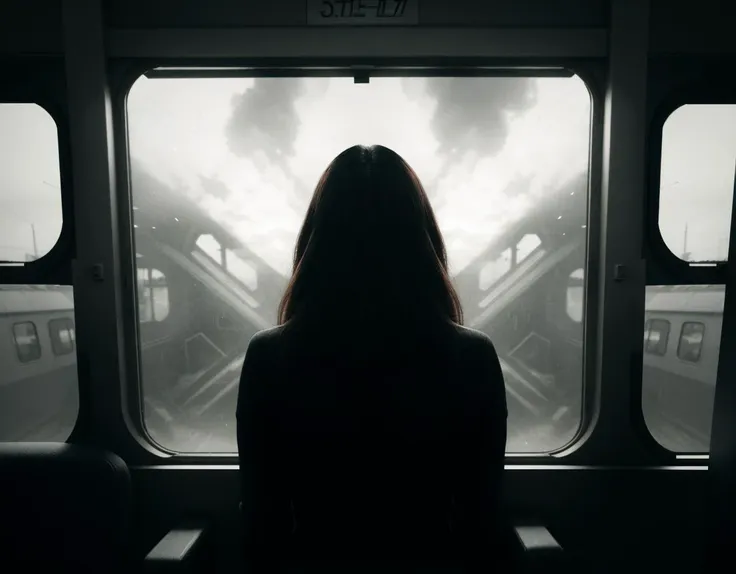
{"x":179,"y":130}
{"x":30,"y":193}
{"x":697,"y":179}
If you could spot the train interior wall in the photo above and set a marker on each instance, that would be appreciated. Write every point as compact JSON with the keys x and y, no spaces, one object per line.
{"x":607,"y":517}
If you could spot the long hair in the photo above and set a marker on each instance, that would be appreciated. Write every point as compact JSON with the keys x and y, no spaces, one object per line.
{"x":370,"y":247}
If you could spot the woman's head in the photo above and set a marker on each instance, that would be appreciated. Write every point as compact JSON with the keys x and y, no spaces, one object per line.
{"x":370,"y":246}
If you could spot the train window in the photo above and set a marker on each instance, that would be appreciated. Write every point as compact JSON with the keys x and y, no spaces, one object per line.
{"x":30,"y":192}
{"x":494,"y":270}
{"x":575,"y":295}
{"x":697,"y":181}
{"x":211,"y":247}
{"x":27,"y":344}
{"x":241,"y":269}
{"x":39,"y":398}
{"x":678,"y":391}
{"x":656,"y":336}
{"x":153,"y":295}
{"x":61,"y":332}
{"x":225,"y":167}
{"x":691,"y":341}
{"x":229,"y":260}
{"x":527,"y":244}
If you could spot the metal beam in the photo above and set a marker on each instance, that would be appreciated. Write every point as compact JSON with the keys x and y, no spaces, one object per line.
{"x":618,"y":300}
{"x":332,"y":43}
{"x":96,"y":273}
{"x":722,"y":501}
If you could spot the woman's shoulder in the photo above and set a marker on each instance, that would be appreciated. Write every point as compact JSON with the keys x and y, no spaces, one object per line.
{"x":265,"y":340}
{"x":472,"y":340}
{"x":465,"y":339}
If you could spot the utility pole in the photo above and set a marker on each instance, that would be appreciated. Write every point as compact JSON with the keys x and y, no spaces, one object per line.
{"x":35,"y":246}
{"x":685,"y":252}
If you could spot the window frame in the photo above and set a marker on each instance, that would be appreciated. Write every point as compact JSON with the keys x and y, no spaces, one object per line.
{"x":592,"y":75}
{"x":17,"y":346}
{"x":663,"y":266}
{"x":648,"y":331}
{"x":41,"y":81}
{"x":53,"y":336}
{"x":671,"y":85}
{"x":700,"y":345}
{"x":150,"y":288}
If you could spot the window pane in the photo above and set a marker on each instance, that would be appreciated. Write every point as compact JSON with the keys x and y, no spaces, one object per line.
{"x":61,"y":334}
{"x":575,"y":295}
{"x":38,"y":388}
{"x":691,"y":342}
{"x":678,"y":385}
{"x":226,"y":167}
{"x":153,"y":295}
{"x":30,"y":188}
{"x":27,"y":345}
{"x":658,"y":334}
{"x":697,"y":180}
{"x":242,"y":270}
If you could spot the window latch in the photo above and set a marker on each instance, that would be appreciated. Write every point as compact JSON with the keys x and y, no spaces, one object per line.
{"x":98,"y":272}
{"x":619,"y":272}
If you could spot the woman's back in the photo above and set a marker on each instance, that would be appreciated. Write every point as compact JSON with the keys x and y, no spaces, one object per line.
{"x":370,"y":425}
{"x":368,"y":434}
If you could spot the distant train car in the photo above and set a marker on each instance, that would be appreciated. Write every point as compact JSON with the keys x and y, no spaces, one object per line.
{"x":38,"y":387}
{"x":682,"y":337}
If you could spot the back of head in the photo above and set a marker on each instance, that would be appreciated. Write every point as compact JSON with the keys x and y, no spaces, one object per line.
{"x":370,"y":251}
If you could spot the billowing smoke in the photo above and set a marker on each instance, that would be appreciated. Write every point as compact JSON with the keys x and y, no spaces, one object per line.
{"x":471,"y":116}
{"x":473,"y":113}
{"x":264,"y":120}
{"x":472,"y":121}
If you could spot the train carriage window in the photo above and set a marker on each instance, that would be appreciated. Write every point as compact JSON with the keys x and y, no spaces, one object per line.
{"x":27,"y":344}
{"x":678,"y":391}
{"x":494,"y":270}
{"x":153,"y":295}
{"x":657,"y":333}
{"x":576,"y":295}
{"x":223,"y":169}
{"x":697,"y":181}
{"x":691,"y":341}
{"x":241,"y":269}
{"x":30,"y":188}
{"x":61,"y":332}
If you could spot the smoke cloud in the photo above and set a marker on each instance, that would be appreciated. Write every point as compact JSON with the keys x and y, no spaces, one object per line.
{"x":264,"y":118}
{"x":473,"y":113}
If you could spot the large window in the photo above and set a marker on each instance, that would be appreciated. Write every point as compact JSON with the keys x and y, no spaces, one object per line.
{"x":223,"y":169}
{"x":697,"y":175}
{"x":39,"y":398}
{"x":30,"y":192}
{"x":696,"y":181}
{"x":679,"y":378}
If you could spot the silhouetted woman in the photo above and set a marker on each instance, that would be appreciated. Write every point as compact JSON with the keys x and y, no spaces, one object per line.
{"x":371,"y":425}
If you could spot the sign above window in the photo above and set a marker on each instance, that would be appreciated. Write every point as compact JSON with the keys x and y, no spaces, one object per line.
{"x":362,"y":12}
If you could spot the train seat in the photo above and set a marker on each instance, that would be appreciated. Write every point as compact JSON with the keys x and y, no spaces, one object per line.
{"x":63,"y":505}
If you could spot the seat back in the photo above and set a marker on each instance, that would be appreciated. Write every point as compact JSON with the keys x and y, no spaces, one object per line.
{"x":63,"y":506}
